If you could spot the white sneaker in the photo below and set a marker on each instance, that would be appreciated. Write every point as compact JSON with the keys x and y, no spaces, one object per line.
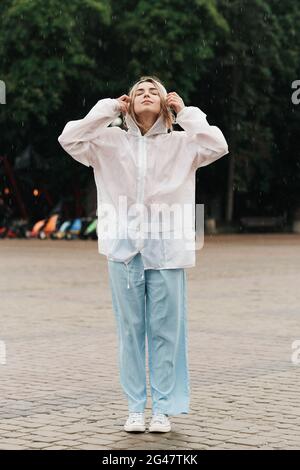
{"x":159,"y":423}
{"x":135,"y":423}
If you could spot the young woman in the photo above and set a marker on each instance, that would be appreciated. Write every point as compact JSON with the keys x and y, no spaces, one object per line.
{"x":144,"y":167}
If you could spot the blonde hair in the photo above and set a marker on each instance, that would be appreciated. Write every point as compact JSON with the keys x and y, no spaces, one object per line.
{"x":165,"y":111}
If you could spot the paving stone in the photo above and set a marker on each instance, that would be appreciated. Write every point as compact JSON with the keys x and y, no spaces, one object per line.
{"x":60,"y":385}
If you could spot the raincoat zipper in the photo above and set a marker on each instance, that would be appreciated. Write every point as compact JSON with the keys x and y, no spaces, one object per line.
{"x":141,"y":175}
{"x":141,"y":185}
{"x":142,"y":170}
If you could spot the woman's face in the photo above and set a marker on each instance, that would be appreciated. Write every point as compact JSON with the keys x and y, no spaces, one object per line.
{"x":146,"y":99}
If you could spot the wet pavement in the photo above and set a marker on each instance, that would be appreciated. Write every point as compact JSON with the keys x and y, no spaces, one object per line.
{"x":58,"y":348}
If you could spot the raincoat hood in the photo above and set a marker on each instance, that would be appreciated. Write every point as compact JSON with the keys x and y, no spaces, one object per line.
{"x":158,"y":127}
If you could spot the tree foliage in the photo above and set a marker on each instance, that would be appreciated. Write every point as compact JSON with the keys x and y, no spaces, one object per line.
{"x":234,"y":59}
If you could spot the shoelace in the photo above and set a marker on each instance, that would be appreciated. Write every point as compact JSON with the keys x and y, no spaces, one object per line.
{"x":161,"y":418}
{"x":134,"y":416}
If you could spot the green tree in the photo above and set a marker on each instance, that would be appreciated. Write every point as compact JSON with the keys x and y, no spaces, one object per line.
{"x":51,"y":61}
{"x":47,"y":53}
{"x":251,"y":58}
{"x":171,"y":39}
{"x":234,"y":59}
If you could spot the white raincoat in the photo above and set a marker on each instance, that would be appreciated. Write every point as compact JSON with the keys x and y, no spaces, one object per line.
{"x":151,"y":169}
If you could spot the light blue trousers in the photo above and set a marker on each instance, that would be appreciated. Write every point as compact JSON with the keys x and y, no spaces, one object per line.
{"x":151,"y":304}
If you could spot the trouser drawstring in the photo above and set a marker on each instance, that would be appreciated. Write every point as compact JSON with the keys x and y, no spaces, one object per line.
{"x":126,"y":264}
{"x":128,"y":285}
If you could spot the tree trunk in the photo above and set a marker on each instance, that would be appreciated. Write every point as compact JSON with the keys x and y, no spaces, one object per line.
{"x":232,"y":147}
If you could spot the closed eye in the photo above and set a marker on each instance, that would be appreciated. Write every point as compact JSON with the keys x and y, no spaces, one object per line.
{"x":153,"y":90}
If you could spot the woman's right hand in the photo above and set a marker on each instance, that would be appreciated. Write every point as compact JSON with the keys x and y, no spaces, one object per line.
{"x":124,"y":102}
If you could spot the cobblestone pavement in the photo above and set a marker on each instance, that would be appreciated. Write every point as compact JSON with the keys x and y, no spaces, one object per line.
{"x":60,"y":386}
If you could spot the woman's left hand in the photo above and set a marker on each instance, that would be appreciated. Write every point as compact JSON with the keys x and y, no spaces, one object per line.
{"x":174,"y":101}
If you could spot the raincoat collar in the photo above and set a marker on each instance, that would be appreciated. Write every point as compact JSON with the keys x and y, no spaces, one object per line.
{"x":158,"y":127}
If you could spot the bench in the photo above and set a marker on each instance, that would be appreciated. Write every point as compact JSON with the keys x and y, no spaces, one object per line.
{"x":262,"y":222}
